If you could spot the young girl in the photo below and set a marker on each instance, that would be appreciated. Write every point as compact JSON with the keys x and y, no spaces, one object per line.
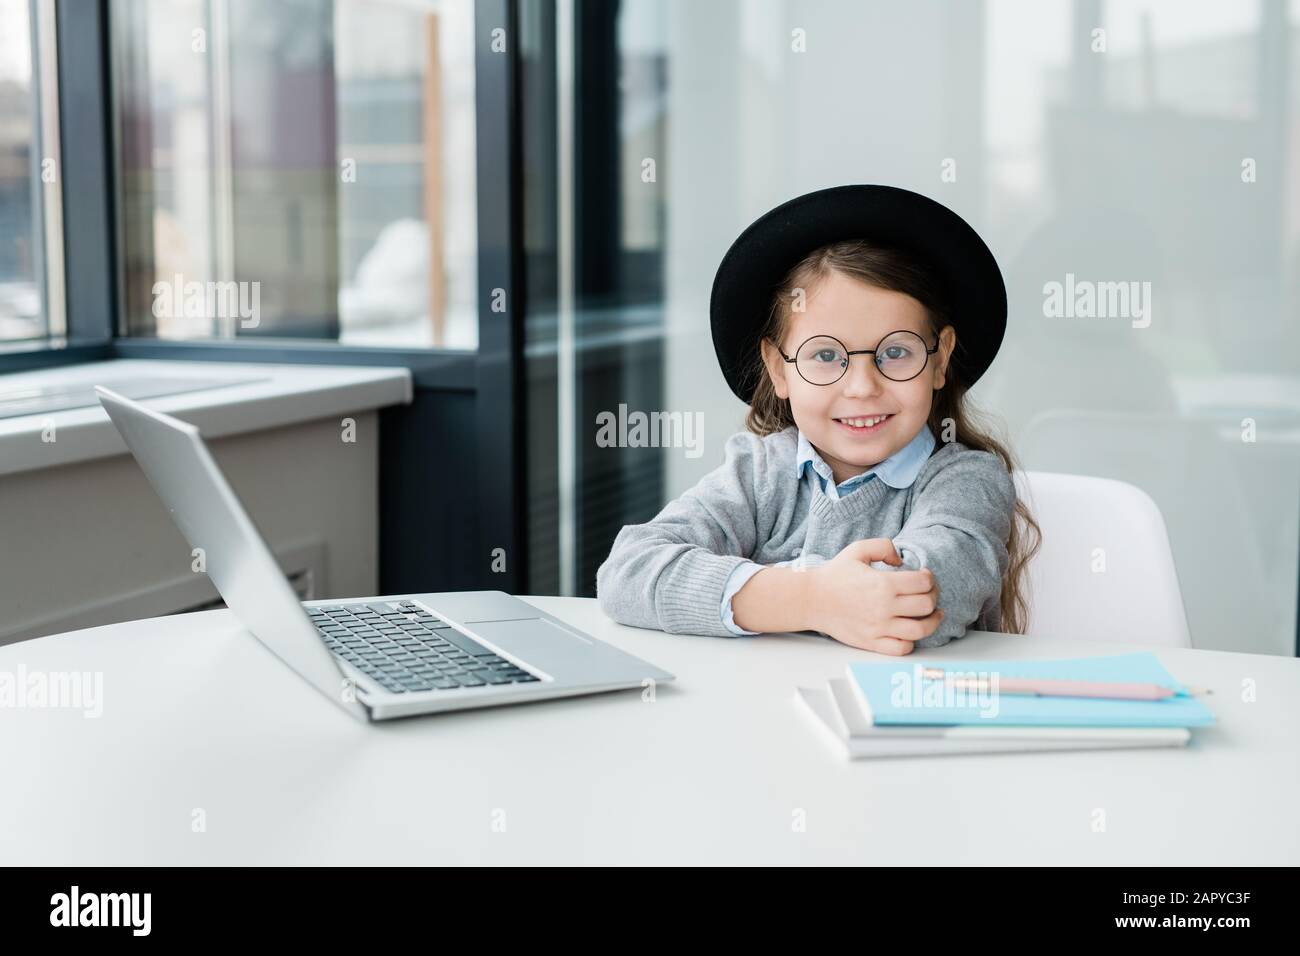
{"x":863,"y":502}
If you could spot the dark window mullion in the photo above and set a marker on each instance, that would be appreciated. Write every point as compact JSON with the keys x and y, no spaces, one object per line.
{"x":85,"y":136}
{"x":498,"y":481}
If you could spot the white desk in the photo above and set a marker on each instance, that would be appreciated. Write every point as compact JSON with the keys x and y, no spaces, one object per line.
{"x":198,"y":715}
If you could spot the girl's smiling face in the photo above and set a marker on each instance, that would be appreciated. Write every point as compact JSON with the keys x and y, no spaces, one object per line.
{"x":859,"y":315}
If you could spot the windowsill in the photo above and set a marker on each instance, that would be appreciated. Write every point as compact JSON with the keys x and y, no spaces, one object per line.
{"x":286,"y":394}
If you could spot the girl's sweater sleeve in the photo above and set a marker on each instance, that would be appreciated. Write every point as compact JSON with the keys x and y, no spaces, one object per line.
{"x":958,"y":528}
{"x":670,"y":572}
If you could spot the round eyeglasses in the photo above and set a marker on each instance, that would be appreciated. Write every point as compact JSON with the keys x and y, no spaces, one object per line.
{"x":823,"y":359}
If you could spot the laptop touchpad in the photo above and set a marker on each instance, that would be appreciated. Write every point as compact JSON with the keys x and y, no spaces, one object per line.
{"x":547,"y":646}
{"x":470,"y":607}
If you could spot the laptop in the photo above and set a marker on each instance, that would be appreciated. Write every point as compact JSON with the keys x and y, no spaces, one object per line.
{"x":376,"y":657}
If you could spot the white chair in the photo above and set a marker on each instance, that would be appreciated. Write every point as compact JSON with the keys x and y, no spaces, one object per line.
{"x":1104,"y":571}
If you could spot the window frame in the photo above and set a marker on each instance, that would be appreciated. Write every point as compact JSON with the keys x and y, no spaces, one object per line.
{"x":89,"y":229}
{"x":492,"y":372}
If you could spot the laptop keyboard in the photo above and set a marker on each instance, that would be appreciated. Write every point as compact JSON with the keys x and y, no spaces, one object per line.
{"x":406,"y":649}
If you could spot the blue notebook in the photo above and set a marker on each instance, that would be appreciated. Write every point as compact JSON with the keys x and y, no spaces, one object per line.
{"x":894,"y":694}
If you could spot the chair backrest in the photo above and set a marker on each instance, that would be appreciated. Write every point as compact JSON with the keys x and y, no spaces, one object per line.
{"x":1104,"y":570}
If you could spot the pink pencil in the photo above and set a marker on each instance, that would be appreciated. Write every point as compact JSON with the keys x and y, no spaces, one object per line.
{"x":1036,"y":687}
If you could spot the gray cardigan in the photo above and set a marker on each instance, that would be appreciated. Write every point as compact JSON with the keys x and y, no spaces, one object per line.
{"x":670,"y":572}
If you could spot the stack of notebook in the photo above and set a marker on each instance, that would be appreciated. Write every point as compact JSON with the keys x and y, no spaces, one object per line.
{"x":912,"y":707}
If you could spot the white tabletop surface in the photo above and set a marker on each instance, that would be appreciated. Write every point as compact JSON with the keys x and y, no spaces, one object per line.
{"x":720,"y":768}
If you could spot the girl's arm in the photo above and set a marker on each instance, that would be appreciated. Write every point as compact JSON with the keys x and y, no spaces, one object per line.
{"x":774,"y":600}
{"x":670,"y":572}
{"x":958,"y":528}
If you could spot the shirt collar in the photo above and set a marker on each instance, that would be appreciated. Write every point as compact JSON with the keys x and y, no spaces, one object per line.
{"x":899,"y":470}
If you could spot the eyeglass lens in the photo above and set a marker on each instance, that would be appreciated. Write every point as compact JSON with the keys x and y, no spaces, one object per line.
{"x":823,"y":360}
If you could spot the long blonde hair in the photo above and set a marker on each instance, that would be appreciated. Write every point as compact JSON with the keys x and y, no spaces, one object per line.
{"x":951,"y":411}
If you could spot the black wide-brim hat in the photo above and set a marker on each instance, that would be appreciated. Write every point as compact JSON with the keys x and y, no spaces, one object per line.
{"x":932,"y":234}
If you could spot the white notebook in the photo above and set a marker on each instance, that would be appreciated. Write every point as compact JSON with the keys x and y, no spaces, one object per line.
{"x":834,"y":709}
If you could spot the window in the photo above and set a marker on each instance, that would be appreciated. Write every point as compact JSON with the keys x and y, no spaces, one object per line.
{"x":1147,"y":143}
{"x":30,"y":260}
{"x":297,"y":168}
